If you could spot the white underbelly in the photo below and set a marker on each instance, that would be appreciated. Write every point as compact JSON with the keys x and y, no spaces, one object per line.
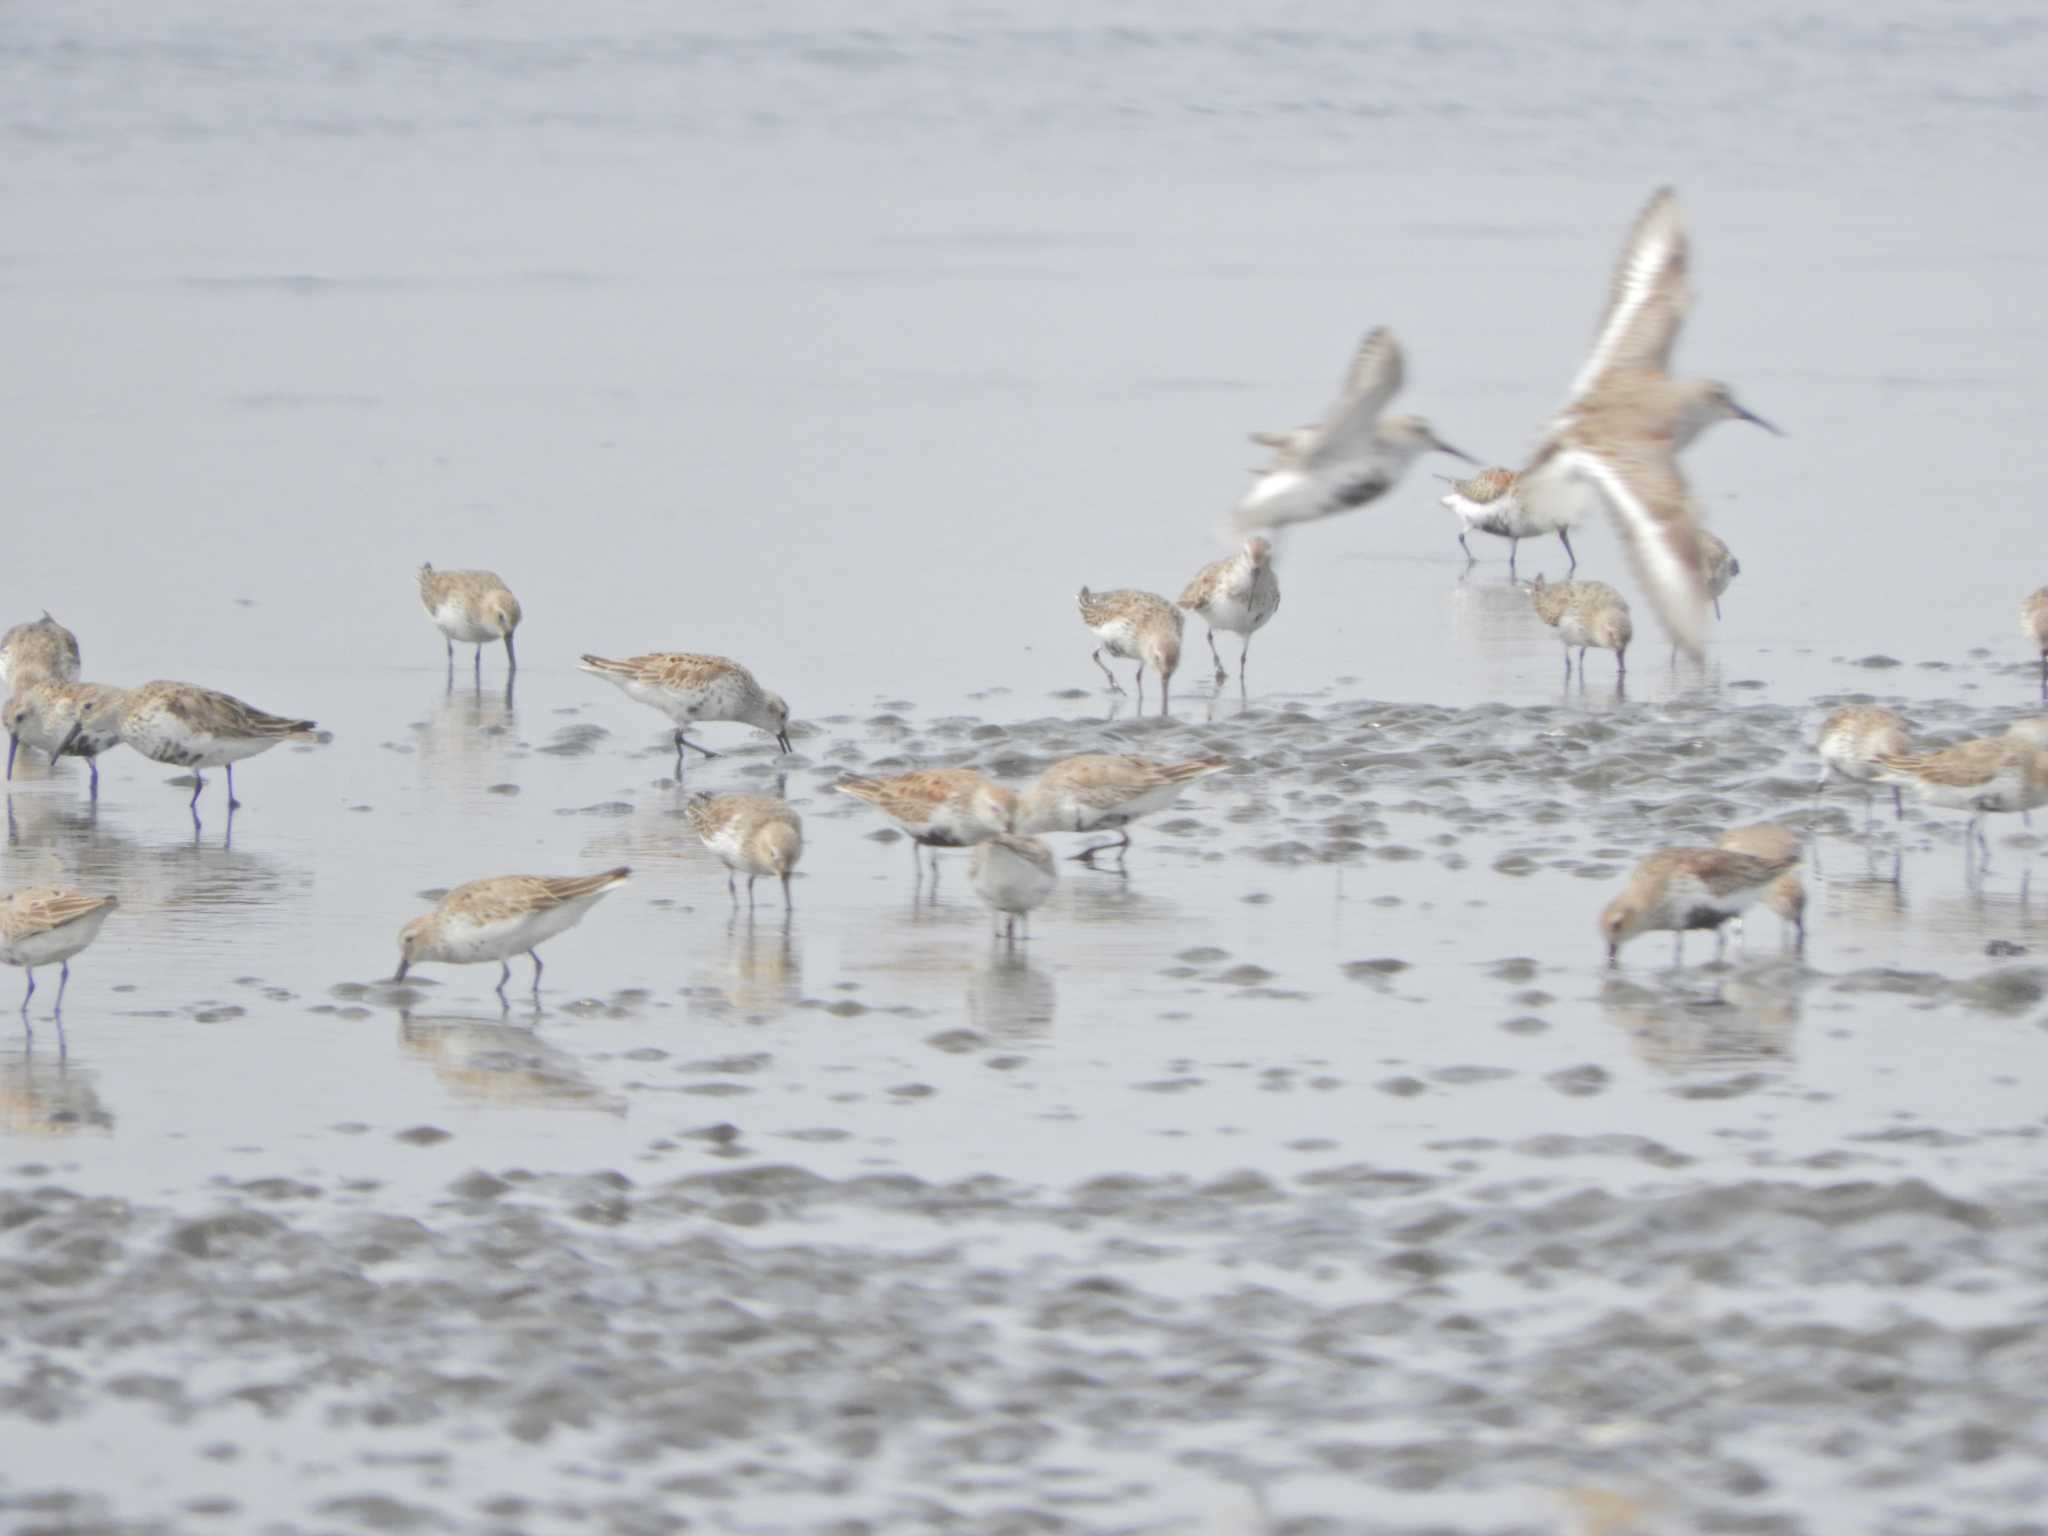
{"x":459,"y":623}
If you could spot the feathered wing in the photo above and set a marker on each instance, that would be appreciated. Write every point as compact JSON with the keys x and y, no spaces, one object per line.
{"x":39,"y":909}
{"x":1647,"y":499}
{"x":1647,"y":301}
{"x":563,"y":888}
{"x":1373,"y":379}
{"x":223,"y":715}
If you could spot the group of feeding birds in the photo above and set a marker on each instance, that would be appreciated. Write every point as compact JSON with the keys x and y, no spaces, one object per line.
{"x":1614,"y":446}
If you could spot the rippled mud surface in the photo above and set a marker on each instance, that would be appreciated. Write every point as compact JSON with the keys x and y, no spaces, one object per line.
{"x":1313,"y":1174}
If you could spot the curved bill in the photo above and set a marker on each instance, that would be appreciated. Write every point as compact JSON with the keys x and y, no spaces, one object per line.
{"x":1744,"y":414}
{"x":403,"y":965}
{"x":65,"y":745}
{"x":1456,"y":453}
{"x":13,"y":746}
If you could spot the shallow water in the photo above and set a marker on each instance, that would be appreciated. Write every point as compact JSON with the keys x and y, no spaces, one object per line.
{"x":1315,"y":1162}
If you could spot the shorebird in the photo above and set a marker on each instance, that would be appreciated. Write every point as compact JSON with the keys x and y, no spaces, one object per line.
{"x":40,"y":649}
{"x":1778,"y":843}
{"x":1103,"y":791}
{"x":46,"y":924}
{"x":185,"y":726}
{"x":2034,"y":625}
{"x":1718,"y":566}
{"x":1349,"y":460}
{"x":1137,"y":626}
{"x":1237,"y":595}
{"x":1615,"y":444}
{"x":46,"y":716}
{"x":1585,"y":614}
{"x":1852,"y":743}
{"x":474,"y":607}
{"x":1015,"y":875}
{"x":498,"y":918}
{"x":689,"y":688}
{"x":1488,"y":502}
{"x":754,"y":835}
{"x":1991,"y":775}
{"x":1681,"y":889}
{"x":938,"y":807}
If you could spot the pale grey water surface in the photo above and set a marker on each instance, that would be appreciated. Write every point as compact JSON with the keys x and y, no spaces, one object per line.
{"x":1321,"y":1155}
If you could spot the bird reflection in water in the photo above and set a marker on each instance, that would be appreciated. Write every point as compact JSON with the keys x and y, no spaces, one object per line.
{"x":466,"y":732}
{"x":479,"y":1059}
{"x":48,"y":1096}
{"x":765,"y":968}
{"x":1746,"y":1020}
{"x":1009,"y":996}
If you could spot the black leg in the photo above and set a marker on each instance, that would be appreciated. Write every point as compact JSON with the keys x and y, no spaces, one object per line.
{"x":1621,"y":663}
{"x":916,"y":867}
{"x":1470,"y":558}
{"x":1514,"y":549}
{"x":63,"y":981}
{"x":479,"y":666}
{"x":92,"y":767}
{"x":750,"y":891}
{"x":535,"y":955}
{"x":504,"y":975}
{"x":1114,"y":685}
{"x":1566,"y":539}
{"x":1243,"y":657}
{"x":232,"y":801}
{"x":731,"y":889}
{"x":31,"y":992}
{"x":198,"y":783}
{"x":451,"y":654}
{"x":1898,"y":804}
{"x":1221,"y":675}
{"x":1165,"y":696}
{"x":681,"y":764}
{"x":1141,"y":688}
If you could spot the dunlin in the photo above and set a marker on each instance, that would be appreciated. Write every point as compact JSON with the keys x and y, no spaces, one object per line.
{"x":1238,"y":596}
{"x":939,"y":807}
{"x":755,"y":835}
{"x":1778,"y":843}
{"x":1854,"y":740}
{"x":40,"y":649}
{"x":47,"y":716}
{"x":689,"y":688}
{"x":474,"y":607}
{"x":1353,"y":457}
{"x":1103,"y":791}
{"x":498,"y":918}
{"x":1137,"y":626}
{"x":188,"y":727}
{"x":1616,"y":442}
{"x":44,"y":924}
{"x":1488,"y":502}
{"x":2034,"y":625}
{"x":1681,"y":889}
{"x":1718,"y":566}
{"x":1015,"y":875}
{"x":1988,"y":776}
{"x":1585,"y":614}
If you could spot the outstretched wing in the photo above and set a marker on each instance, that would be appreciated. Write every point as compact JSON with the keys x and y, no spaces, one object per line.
{"x":1647,"y":498}
{"x":1374,"y":377}
{"x":1647,"y":301}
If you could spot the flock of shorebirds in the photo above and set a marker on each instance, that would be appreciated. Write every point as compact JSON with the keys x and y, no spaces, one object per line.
{"x":1613,"y":446}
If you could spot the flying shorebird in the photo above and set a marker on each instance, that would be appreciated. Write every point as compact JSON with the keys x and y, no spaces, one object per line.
{"x":1615,"y":443}
{"x":1352,"y":458}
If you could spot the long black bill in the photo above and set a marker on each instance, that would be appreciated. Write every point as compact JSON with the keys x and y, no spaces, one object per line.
{"x":782,"y":741}
{"x":13,"y":746}
{"x":1456,"y":453}
{"x":65,"y":745}
{"x":1755,"y":420}
{"x":403,"y":965}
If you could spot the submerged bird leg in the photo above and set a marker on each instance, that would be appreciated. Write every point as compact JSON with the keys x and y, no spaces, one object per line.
{"x":31,"y":992}
{"x":1898,"y":804}
{"x":916,"y":866}
{"x":1514,"y":549}
{"x":731,"y":889}
{"x":479,"y":664}
{"x":198,"y":783}
{"x":1141,"y":688}
{"x":232,"y":801}
{"x":92,"y":767}
{"x":1243,"y":657}
{"x":1472,"y":559}
{"x":504,"y":975}
{"x":63,"y":981}
{"x":1566,"y":539}
{"x":750,"y":891}
{"x":1114,"y":685}
{"x":1621,"y":663}
{"x":451,"y":653}
{"x":534,"y":955}
{"x":1216,"y":656}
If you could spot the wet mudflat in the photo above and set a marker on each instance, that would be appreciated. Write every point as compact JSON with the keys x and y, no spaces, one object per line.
{"x":1312,"y":1175}
{"x":1318,"y":1153}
